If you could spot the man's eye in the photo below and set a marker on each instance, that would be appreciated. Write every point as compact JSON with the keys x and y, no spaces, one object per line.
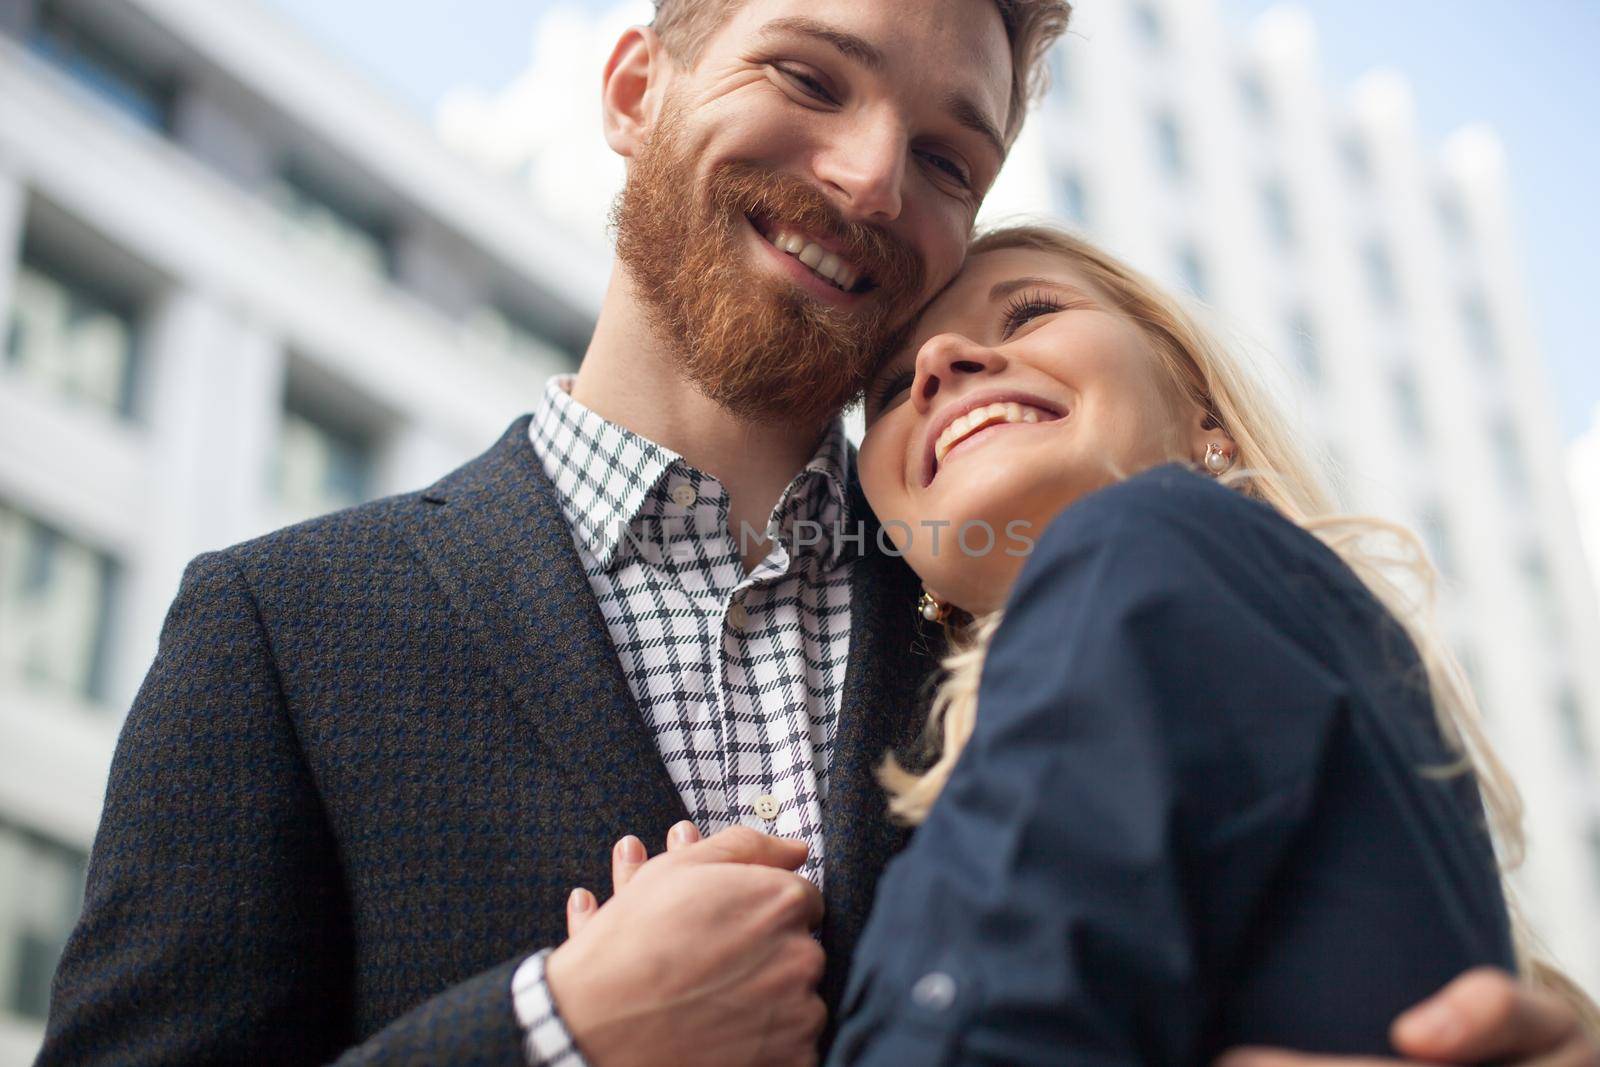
{"x":949,"y":167}
{"x":807,"y":84}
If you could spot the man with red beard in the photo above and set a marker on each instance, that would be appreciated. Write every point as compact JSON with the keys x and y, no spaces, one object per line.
{"x":376,"y":751}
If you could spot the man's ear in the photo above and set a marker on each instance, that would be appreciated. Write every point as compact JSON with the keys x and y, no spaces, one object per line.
{"x":630,"y":93}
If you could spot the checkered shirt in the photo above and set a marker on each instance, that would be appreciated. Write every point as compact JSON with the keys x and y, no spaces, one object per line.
{"x":738,"y":675}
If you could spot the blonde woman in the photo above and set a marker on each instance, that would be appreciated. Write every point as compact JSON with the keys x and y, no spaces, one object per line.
{"x":1203,"y":775}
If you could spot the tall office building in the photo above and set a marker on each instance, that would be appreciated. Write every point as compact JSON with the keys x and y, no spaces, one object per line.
{"x":237,"y":288}
{"x":1374,"y":280}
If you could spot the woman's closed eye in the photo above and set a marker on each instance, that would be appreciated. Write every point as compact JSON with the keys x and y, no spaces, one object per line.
{"x":1025,"y":307}
{"x":888,"y":388}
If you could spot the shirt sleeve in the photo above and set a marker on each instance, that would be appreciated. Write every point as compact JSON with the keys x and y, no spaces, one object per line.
{"x":546,"y":1041}
{"x":1147,"y":745}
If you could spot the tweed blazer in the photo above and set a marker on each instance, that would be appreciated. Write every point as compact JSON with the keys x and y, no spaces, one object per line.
{"x":374,"y":753}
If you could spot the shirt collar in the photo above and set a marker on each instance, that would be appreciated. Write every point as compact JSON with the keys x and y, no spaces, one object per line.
{"x":608,"y":476}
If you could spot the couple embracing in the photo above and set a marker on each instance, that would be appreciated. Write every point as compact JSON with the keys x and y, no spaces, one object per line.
{"x":1184,"y":769}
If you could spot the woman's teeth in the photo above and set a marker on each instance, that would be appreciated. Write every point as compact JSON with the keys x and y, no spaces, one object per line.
{"x":823,"y":263}
{"x":978,"y":418}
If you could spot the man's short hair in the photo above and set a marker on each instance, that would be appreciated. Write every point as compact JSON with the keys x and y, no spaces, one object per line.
{"x":1032,"y":26}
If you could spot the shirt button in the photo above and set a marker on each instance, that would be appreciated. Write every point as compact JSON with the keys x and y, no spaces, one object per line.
{"x":683,"y":494}
{"x":934,"y":991}
{"x":766,"y":806}
{"x":738,"y":617}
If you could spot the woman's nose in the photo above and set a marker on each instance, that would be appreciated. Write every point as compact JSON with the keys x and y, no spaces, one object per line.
{"x":946,"y":359}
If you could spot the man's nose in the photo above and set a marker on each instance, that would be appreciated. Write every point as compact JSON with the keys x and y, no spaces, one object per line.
{"x":946,"y":359}
{"x":865,"y":167}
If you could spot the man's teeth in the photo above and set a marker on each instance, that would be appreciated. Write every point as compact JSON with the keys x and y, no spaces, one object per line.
{"x":978,"y":418}
{"x":821,"y":261}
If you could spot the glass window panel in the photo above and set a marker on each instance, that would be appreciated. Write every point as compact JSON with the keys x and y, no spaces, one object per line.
{"x":1192,"y":272}
{"x":99,"y":66}
{"x":337,"y":231}
{"x":1169,"y":144}
{"x":41,"y":894}
{"x":55,"y":602}
{"x":1277,"y":212}
{"x":320,"y":467}
{"x":1305,"y":345}
{"x":1071,"y":199}
{"x":70,"y":339}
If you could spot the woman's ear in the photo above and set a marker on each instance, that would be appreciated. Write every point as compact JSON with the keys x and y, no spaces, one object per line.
{"x":1204,"y":431}
{"x":631,"y":88}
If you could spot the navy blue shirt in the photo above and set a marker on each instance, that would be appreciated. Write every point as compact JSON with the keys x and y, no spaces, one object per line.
{"x":1195,"y":812}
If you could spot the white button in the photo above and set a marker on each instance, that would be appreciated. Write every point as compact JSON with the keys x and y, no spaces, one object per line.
{"x":934,"y":991}
{"x":766,"y":806}
{"x":683,"y":494}
{"x":738,"y":617}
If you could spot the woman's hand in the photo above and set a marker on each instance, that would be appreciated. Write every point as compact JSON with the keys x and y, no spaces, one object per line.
{"x":1484,"y":1016}
{"x":627,"y":856}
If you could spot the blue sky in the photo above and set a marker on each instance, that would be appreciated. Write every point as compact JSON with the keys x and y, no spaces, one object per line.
{"x":1526,"y":68}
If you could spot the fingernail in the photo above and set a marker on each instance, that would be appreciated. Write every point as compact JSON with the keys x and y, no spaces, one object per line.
{"x":630,"y":848}
{"x":1430,"y":1024}
{"x":683,"y":833}
{"x":579,"y":900}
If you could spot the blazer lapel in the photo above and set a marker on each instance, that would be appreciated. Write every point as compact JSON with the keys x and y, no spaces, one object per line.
{"x":492,"y":534}
{"x":893,"y":656}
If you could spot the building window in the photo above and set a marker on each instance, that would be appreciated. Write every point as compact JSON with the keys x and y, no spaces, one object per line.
{"x":334,"y":226}
{"x":55,"y":602}
{"x":1304,"y":344}
{"x":1452,"y":219}
{"x":1357,"y":160}
{"x":1408,"y":404}
{"x":1536,"y":573}
{"x":1508,"y":457}
{"x":1253,"y":93}
{"x":1071,"y":200}
{"x":511,"y":332}
{"x":321,"y":465}
{"x":1147,"y":23}
{"x":1436,"y":535}
{"x":1276,"y":211}
{"x":1169,"y":145}
{"x":1192,"y":272}
{"x":1061,"y":74}
{"x":70,"y":338}
{"x":1574,"y":731}
{"x":1380,"y":274}
{"x":1479,"y":330}
{"x":96,"y":62}
{"x":41,"y":890}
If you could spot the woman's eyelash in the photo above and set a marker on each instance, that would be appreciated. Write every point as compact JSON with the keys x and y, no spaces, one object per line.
{"x":890,"y":387}
{"x":1026,"y":306}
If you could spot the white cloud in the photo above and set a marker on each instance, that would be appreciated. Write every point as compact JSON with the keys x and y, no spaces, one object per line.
{"x":543,"y":129}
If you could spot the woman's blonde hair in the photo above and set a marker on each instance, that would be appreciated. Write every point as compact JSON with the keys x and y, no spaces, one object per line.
{"x":1271,"y":466}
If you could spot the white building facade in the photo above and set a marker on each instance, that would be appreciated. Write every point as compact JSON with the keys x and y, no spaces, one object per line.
{"x":237,"y":288}
{"x":1376,"y":280}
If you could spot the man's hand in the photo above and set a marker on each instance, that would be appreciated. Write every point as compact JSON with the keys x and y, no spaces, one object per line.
{"x":703,"y":955}
{"x":1484,"y":1016}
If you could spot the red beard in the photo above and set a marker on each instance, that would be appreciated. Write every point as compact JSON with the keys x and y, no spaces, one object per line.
{"x":759,"y":346}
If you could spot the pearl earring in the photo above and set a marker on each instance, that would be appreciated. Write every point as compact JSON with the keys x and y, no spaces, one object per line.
{"x":1217,"y":460}
{"x":932,"y":608}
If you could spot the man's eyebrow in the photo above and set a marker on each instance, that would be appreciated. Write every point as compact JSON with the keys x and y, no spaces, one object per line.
{"x":971,"y":116}
{"x":1004,"y":289}
{"x":863,"y":52}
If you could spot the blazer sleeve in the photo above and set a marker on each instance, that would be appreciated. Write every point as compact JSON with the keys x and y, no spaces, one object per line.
{"x":1146,"y":747}
{"x":214,"y":927}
